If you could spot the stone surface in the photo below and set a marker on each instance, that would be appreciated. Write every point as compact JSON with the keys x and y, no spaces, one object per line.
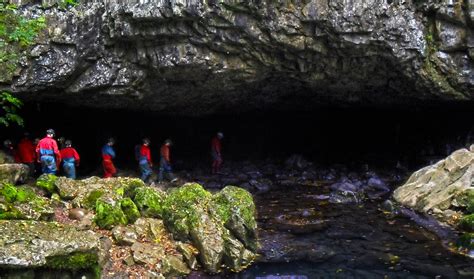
{"x":438,"y":188}
{"x":201,"y":57}
{"x":13,"y":173}
{"x":30,"y":244}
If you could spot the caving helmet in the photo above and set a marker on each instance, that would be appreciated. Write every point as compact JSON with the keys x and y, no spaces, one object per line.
{"x":68,"y":143}
{"x":50,"y":132}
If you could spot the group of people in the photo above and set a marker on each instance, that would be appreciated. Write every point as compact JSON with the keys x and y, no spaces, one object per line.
{"x":51,"y":157}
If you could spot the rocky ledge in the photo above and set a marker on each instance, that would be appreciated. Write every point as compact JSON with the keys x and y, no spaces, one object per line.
{"x":120,"y":226}
{"x":201,"y":57}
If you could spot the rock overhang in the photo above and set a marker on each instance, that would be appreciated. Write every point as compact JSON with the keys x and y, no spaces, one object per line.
{"x":203,"y":57}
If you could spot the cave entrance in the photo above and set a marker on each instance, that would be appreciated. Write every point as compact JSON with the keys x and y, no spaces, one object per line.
{"x":328,"y":135}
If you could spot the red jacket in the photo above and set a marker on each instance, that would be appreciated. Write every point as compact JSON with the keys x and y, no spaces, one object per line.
{"x":145,"y":153}
{"x":165,"y":152}
{"x":216,"y":145}
{"x":70,"y":152}
{"x":26,"y":151}
{"x":48,"y":146}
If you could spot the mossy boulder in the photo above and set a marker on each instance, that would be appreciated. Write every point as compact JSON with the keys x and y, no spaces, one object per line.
{"x":130,"y":210}
{"x":22,"y":202}
{"x":236,"y":208}
{"x":183,"y":207}
{"x":91,"y":199}
{"x":467,"y":222}
{"x":212,"y":223}
{"x":31,"y":244}
{"x":149,"y":201}
{"x":109,"y":212}
{"x":13,"y":173}
{"x":47,"y":182}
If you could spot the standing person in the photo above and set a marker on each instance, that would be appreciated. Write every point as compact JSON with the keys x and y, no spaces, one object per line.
{"x":108,"y":154}
{"x":165,"y":162}
{"x":216,"y":148}
{"x":71,"y":159}
{"x":27,"y":152}
{"x":144,"y":160}
{"x":48,"y":154}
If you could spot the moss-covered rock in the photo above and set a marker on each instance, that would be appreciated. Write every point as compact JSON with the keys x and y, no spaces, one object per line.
{"x":467,"y":222}
{"x":8,"y":192}
{"x":91,"y":199}
{"x":130,"y":210}
{"x":47,"y":182}
{"x":149,"y":201}
{"x":179,"y":208}
{"x":109,"y":212}
{"x":74,"y":261}
{"x":23,"y":203}
{"x":236,"y":208}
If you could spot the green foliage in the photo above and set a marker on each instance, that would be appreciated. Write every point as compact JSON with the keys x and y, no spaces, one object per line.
{"x":8,"y":109}
{"x":149,"y":201}
{"x":74,"y":261}
{"x":183,"y":206}
{"x":109,"y":213}
{"x":17,"y":34}
{"x":47,"y":182}
{"x":467,"y":222}
{"x":130,"y":210}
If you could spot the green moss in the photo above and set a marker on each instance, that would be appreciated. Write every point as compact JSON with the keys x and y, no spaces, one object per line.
{"x":467,"y":222}
{"x":74,"y":261}
{"x":9,"y":192}
{"x":130,"y":185}
{"x":235,"y":200}
{"x":92,"y":198}
{"x":109,"y":214}
{"x":11,"y":214}
{"x":180,"y":208}
{"x":130,"y":210}
{"x":25,"y":195}
{"x":149,"y":201}
{"x":466,"y":241}
{"x":47,"y":182}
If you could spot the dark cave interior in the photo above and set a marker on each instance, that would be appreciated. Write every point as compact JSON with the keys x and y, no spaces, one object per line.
{"x":351,"y":136}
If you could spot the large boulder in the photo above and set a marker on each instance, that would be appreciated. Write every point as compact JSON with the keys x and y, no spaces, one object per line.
{"x":13,"y":173}
{"x":31,"y":244}
{"x":222,"y":227}
{"x":439,"y":188}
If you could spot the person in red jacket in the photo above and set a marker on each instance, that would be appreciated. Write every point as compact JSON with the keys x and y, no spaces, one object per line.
{"x":71,"y":159}
{"x":216,"y":149}
{"x":108,"y":154}
{"x":27,"y":153}
{"x":48,"y":154}
{"x":165,"y":162}
{"x":144,"y":160}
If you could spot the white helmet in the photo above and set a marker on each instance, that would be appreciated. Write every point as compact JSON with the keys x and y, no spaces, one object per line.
{"x":220,"y":135}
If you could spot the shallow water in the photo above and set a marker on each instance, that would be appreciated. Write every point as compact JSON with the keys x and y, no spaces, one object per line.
{"x":358,"y":241}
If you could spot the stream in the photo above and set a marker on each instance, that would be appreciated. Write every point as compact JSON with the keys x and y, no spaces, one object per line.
{"x":325,"y":240}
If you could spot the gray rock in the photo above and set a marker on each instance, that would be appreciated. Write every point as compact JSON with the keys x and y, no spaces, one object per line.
{"x":31,"y":244}
{"x":439,"y":187}
{"x":13,"y":173}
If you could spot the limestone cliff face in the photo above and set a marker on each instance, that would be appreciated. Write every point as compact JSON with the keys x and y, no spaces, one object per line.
{"x":204,"y":56}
